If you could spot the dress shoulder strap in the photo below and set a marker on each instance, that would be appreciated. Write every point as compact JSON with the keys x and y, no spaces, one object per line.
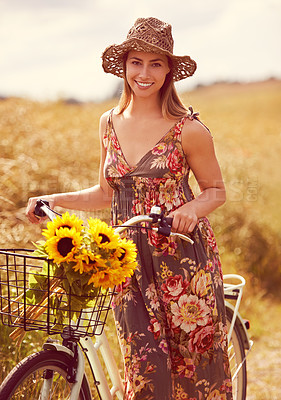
{"x":190,"y":115}
{"x":108,"y":129}
{"x":109,"y":118}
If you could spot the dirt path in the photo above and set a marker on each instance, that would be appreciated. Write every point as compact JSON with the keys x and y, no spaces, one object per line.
{"x":264,"y":361}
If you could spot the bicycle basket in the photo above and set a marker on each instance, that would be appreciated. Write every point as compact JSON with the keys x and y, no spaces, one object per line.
{"x":49,"y":307}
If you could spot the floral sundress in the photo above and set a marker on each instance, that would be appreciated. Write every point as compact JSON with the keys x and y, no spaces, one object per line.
{"x":170,"y":315}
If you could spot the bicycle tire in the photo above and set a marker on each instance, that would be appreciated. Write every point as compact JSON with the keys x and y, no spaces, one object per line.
{"x":236,"y":353}
{"x":26,"y":379}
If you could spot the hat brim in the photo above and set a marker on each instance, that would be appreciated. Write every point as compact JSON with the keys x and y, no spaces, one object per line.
{"x":113,"y":58}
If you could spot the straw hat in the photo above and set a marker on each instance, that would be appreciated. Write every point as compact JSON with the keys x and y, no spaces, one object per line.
{"x":149,"y":35}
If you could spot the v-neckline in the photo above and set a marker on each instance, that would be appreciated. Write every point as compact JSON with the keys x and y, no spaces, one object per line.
{"x":149,"y":151}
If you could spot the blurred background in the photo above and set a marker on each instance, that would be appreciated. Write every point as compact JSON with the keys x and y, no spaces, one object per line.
{"x":53,"y":91}
{"x":53,"y":48}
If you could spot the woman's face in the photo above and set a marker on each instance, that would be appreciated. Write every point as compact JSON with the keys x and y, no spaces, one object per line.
{"x":146,"y":72}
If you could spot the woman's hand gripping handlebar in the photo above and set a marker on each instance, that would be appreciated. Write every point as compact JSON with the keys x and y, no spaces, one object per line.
{"x":156,"y":218}
{"x":42,"y":209}
{"x":159,"y":223}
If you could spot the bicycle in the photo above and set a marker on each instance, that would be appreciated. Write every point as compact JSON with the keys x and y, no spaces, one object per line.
{"x":58,"y":371}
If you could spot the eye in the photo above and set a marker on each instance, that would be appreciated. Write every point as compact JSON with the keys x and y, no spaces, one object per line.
{"x":156,"y":65}
{"x":135,"y":62}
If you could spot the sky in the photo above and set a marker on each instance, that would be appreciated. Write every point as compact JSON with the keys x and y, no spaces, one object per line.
{"x":51,"y":49}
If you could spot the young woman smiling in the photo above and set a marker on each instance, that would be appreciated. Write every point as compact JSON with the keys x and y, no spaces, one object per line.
{"x":170,"y":315}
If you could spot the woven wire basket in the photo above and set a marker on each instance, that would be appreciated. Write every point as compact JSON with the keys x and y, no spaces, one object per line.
{"x":18,"y":269}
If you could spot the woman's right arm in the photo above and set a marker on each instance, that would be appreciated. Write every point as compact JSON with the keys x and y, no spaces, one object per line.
{"x":94,"y":198}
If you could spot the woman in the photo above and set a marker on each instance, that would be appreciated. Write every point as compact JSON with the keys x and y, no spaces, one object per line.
{"x":170,"y":315}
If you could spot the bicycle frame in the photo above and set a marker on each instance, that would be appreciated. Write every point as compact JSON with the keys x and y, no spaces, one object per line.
{"x":90,"y":349}
{"x":234,"y":291}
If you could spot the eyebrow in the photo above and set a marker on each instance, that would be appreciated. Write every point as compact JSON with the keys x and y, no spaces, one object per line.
{"x":140,"y":59}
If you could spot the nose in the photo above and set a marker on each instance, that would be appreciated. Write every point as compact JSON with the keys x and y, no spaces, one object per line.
{"x":144,"y":71}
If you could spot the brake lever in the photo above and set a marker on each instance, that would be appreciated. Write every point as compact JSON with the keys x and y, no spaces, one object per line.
{"x":165,"y":224}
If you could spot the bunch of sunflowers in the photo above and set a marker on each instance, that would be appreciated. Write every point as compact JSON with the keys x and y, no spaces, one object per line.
{"x":94,"y":254}
{"x":79,"y":260}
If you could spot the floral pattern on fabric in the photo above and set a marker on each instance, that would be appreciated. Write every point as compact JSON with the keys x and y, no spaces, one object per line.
{"x":170,"y":315}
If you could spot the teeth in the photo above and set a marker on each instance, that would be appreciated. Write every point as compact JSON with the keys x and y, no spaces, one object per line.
{"x":144,"y":84}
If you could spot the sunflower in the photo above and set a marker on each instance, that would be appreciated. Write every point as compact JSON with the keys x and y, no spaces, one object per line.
{"x":128,"y":258}
{"x":102,"y":234}
{"x":126,"y":270}
{"x":88,"y":261}
{"x":114,"y":273}
{"x":65,"y":221}
{"x":105,"y":279}
{"x":63,"y":245}
{"x":128,"y":252}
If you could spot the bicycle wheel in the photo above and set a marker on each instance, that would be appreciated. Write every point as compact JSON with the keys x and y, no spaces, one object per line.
{"x":26,"y":380}
{"x":236,"y":353}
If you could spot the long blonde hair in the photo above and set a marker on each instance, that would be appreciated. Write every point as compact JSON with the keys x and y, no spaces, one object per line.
{"x":172,"y":106}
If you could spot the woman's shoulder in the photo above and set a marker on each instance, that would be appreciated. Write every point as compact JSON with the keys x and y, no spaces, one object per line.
{"x":103,"y":126}
{"x":104,"y":119}
{"x":194,"y":133}
{"x":193,"y":126}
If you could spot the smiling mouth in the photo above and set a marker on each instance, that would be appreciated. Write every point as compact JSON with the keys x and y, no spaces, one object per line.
{"x":143,"y":84}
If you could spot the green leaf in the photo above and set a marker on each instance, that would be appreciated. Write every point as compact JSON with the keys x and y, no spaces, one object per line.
{"x":39,"y":253}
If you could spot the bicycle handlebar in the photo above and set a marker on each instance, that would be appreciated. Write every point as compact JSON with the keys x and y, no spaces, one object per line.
{"x":42,"y":209}
{"x":163,"y":225}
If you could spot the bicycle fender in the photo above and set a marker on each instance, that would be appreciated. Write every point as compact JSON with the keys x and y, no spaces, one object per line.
{"x":58,"y":347}
{"x":239,"y":323}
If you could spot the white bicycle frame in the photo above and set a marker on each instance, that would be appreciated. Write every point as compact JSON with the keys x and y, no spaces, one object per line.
{"x":91,"y":349}
{"x":235,"y":291}
{"x":101,"y":344}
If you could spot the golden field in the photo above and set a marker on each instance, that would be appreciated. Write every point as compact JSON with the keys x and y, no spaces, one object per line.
{"x":54,"y":147}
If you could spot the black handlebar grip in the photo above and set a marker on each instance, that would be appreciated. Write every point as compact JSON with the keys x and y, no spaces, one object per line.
{"x":169,"y":220}
{"x":37,"y":210}
{"x":165,"y":226}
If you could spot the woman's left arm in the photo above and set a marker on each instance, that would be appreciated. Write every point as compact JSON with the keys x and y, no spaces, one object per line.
{"x":199,"y":150}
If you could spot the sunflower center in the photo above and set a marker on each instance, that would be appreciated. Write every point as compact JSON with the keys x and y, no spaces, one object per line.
{"x":104,"y":238}
{"x":65,"y":246}
{"x":122,"y":255}
{"x":65,"y":226}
